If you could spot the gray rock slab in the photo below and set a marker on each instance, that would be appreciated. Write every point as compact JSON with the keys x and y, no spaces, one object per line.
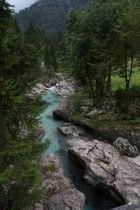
{"x":104,"y":164}
{"x":71,"y":130}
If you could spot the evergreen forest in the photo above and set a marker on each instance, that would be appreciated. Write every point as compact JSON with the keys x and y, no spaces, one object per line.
{"x":49,"y":15}
{"x":96,"y":42}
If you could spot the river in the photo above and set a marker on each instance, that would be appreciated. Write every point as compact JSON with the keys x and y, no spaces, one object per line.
{"x":96,"y":198}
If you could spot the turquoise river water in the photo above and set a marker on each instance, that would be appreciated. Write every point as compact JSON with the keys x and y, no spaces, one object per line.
{"x":96,"y":198}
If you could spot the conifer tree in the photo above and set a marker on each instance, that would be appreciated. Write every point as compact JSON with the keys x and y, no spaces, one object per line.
{"x":33,"y":35}
{"x":20,"y":174}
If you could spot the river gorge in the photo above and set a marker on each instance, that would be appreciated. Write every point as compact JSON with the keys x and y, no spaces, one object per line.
{"x":96,"y":197}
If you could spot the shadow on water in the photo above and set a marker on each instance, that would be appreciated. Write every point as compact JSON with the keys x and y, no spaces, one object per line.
{"x":96,"y":198}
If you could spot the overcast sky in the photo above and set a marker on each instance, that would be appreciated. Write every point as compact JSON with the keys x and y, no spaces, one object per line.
{"x":21,"y":4}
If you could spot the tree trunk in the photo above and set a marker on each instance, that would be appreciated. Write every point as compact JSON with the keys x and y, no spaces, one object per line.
{"x":126,"y":64}
{"x":90,"y":84}
{"x":108,"y":85}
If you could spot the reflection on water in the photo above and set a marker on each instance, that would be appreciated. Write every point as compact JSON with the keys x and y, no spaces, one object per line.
{"x":95,"y":198}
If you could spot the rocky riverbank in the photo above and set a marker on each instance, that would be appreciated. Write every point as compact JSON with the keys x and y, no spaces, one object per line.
{"x":60,"y":192}
{"x":103,"y":163}
{"x":105,"y":128}
{"x":105,"y":122}
{"x":65,"y":86}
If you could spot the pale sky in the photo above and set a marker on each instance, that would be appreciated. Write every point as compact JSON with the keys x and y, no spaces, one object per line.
{"x":21,"y":4}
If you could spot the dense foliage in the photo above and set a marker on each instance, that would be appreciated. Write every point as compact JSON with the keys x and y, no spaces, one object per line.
{"x":101,"y":41}
{"x":49,"y":15}
{"x":20,"y":176}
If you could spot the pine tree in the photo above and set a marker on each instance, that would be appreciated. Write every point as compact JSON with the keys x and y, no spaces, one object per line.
{"x":20,"y":174}
{"x":33,"y":35}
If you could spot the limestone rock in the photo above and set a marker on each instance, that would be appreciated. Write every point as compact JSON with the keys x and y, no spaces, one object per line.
{"x":39,"y":206}
{"x":104,"y":164}
{"x":39,"y":89}
{"x":30,"y":96}
{"x":95,"y":112}
{"x":134,"y":159}
{"x":63,"y":110}
{"x":66,"y":200}
{"x":71,"y":130}
{"x":60,"y":192}
{"x":40,"y":132}
{"x":125,"y":147}
{"x":59,"y":76}
{"x":66,"y":87}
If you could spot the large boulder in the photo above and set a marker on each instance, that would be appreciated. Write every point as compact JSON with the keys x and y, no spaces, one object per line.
{"x":66,"y":87}
{"x":125,"y":147}
{"x":63,"y":110}
{"x":60,"y":192}
{"x":70,"y":130}
{"x":59,"y":76}
{"x":104,"y":164}
{"x":40,"y":132}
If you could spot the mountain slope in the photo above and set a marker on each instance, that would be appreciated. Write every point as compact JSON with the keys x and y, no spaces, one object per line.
{"x":49,"y":15}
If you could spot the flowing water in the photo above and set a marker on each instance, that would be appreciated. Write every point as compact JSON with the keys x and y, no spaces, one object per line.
{"x":96,"y":198}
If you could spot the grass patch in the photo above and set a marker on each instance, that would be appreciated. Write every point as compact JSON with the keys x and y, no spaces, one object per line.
{"x":78,"y":117}
{"x":123,"y":125}
{"x":120,"y":82}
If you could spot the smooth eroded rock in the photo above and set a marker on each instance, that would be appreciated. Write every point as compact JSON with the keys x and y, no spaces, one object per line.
{"x":104,"y":164}
{"x":62,"y":111}
{"x":71,"y":130}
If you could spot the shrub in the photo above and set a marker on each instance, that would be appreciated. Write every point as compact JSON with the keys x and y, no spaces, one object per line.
{"x":78,"y":100}
{"x":126,"y":97}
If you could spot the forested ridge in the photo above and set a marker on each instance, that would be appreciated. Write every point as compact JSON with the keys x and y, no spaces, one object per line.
{"x":101,"y":42}
{"x":49,"y":15}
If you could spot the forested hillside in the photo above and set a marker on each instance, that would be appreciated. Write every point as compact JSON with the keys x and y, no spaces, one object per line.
{"x":49,"y":15}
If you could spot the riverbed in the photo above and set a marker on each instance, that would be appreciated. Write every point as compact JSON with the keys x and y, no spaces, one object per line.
{"x":96,"y":198}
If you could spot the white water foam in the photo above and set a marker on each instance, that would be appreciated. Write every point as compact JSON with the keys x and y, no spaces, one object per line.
{"x":53,"y":88}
